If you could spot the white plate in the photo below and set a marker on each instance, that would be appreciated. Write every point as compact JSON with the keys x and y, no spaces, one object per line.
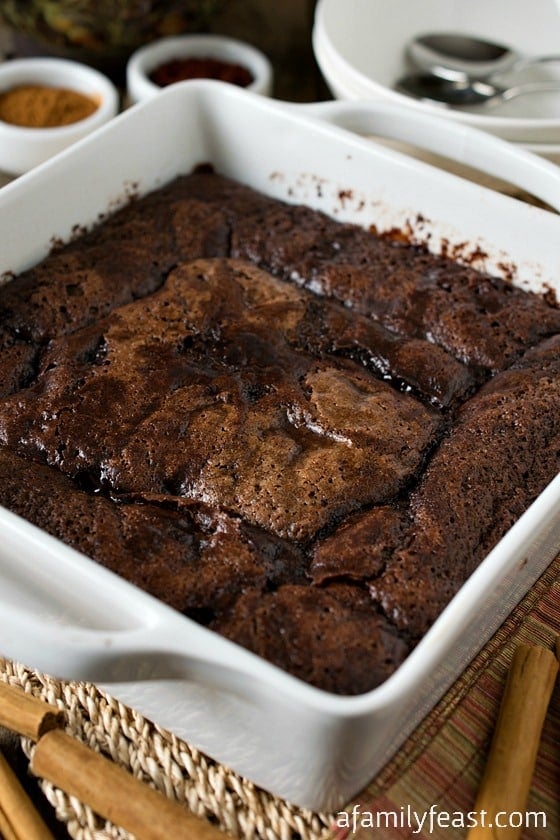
{"x":306,"y":745}
{"x":360,"y":46}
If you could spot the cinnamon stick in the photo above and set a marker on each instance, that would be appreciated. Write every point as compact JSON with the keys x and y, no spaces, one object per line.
{"x":18,"y":818}
{"x":6,"y":829}
{"x":25,"y":714}
{"x":113,"y":793}
{"x":507,"y":779}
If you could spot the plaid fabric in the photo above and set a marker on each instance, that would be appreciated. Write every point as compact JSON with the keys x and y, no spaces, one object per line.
{"x":441,"y":764}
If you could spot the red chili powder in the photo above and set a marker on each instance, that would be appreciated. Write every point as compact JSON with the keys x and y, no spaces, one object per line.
{"x":180,"y":69}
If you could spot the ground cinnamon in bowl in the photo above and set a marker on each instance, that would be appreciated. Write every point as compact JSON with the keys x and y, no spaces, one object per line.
{"x":39,"y":106}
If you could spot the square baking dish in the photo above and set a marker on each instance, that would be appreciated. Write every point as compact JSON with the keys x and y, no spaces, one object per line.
{"x":64,"y":614}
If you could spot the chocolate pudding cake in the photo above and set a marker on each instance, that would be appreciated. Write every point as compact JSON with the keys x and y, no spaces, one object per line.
{"x":295,"y":431}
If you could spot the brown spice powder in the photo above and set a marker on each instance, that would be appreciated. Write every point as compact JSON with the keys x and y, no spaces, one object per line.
{"x":37,"y":106}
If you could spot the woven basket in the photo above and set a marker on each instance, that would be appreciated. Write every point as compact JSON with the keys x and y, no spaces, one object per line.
{"x":154,"y":755}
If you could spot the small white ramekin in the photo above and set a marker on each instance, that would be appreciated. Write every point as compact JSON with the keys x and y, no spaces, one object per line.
{"x":23,"y":148}
{"x":149,"y":57}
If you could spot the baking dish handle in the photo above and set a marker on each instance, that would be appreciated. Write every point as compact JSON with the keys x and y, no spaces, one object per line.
{"x":162,"y":647}
{"x":447,"y":138}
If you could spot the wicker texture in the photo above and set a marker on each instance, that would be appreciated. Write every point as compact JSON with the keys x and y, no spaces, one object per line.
{"x":170,"y":765}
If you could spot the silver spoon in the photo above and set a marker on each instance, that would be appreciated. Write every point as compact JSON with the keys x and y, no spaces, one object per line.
{"x":458,"y":57}
{"x":466,"y":93}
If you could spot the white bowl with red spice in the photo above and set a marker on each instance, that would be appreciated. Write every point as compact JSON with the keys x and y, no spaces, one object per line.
{"x":46,"y":104}
{"x":169,"y":60}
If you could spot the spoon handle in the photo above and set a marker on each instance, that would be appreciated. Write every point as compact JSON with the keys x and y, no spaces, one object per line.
{"x":534,"y":61}
{"x":529,"y":87}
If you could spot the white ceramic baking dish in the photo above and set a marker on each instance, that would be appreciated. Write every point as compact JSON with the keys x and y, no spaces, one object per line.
{"x":64,"y":614}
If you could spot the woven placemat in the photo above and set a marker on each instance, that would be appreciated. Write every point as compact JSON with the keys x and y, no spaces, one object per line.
{"x":154,"y":755}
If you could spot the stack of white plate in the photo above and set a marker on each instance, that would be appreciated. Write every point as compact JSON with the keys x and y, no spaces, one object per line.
{"x":360,"y":48}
